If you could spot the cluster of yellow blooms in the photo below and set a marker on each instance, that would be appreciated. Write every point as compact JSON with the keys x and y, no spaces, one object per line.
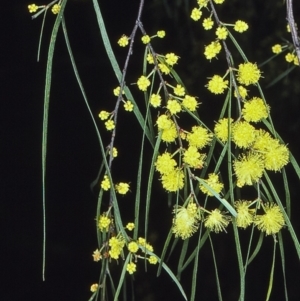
{"x":114,"y":248}
{"x":187,"y":219}
{"x":34,"y":8}
{"x":121,"y":188}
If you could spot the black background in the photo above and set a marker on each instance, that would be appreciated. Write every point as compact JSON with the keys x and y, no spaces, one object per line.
{"x":74,"y":155}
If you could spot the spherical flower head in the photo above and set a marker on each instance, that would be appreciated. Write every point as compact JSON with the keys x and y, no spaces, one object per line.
{"x":173,"y":181}
{"x":104,"y":222}
{"x":272,"y":221}
{"x":94,"y":287}
{"x":248,"y":74}
{"x":131,"y":267}
{"x":222,"y":33}
{"x":240,"y":26}
{"x":143,"y":83}
{"x":199,"y":137}
{"x":190,"y":103}
{"x":262,"y":141}
{"x":289,"y":57}
{"x":185,"y":222}
{"x":105,"y":184}
{"x":171,"y":58}
{"x":173,"y":106}
{"x":212,"y":50}
{"x":161,"y":34}
{"x":142,"y":241}
{"x":179,"y":90}
{"x":276,"y":156}
{"x":116,"y":91}
{"x":208,"y":23}
{"x":133,"y":247}
{"x":219,"y":1}
{"x":163,"y":122}
{"x":193,"y":158}
{"x":169,"y":134}
{"x":32,"y":8}
{"x":216,"y":221}
{"x":217,"y":85}
{"x":128,"y":106}
{"x":155,"y":100}
{"x":214,"y":183}
{"x":196,"y":14}
{"x":103,"y":115}
{"x":55,"y":9}
{"x":97,"y":255}
{"x":164,"y":68}
{"x":202,"y":3}
{"x":296,"y":60}
{"x":276,"y":48}
{"x":242,"y":92}
{"x":255,"y":110}
{"x":248,"y":169}
{"x":122,"y":188}
{"x":243,"y":134}
{"x":288,"y":29}
{"x":110,"y":125}
{"x":130,"y":226}
{"x":150,"y":58}
{"x":123,"y":41}
{"x":222,"y":128}
{"x":116,"y":244}
{"x":146,"y":39}
{"x":153,"y":259}
{"x":165,"y":163}
{"x":245,"y":215}
{"x":114,"y":152}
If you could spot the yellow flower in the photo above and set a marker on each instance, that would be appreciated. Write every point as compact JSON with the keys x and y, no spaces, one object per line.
{"x":222,"y":33}
{"x":276,"y":48}
{"x":272,"y":221}
{"x":212,"y":50}
{"x":114,"y":152}
{"x":276,"y":156}
{"x":55,"y":9}
{"x":163,"y":122}
{"x":128,"y":106}
{"x":104,"y":223}
{"x":248,"y":169}
{"x":105,"y":184}
{"x":123,"y":41}
{"x":164,"y":68}
{"x":146,"y":39}
{"x":171,"y":58}
{"x":190,"y":103}
{"x":94,"y":287}
{"x":110,"y":125}
{"x":169,"y":134}
{"x":116,"y":91}
{"x":131,"y":267}
{"x":248,"y":74}
{"x":289,"y":57}
{"x":173,"y":181}
{"x":244,"y":214}
{"x":216,"y":221}
{"x":97,"y":255}
{"x":242,"y":91}
{"x":165,"y":163}
{"x":240,"y":26}
{"x":133,"y":247}
{"x":196,"y":14}
{"x":103,"y":115}
{"x":255,"y":110}
{"x":214,"y":183}
{"x":193,"y":158}
{"x":116,"y":244}
{"x":130,"y":226}
{"x":217,"y":85}
{"x":152,"y":259}
{"x":32,"y":8}
{"x":143,"y":83}
{"x":150,"y":58}
{"x":219,"y":1}
{"x":179,"y":90}
{"x":173,"y":106}
{"x":155,"y":100}
{"x":199,"y":137}
{"x":208,"y":23}
{"x":122,"y":188}
{"x":202,"y":3}
{"x":161,"y":34}
{"x":143,"y":243}
{"x":222,"y":128}
{"x":243,"y":134}
{"x":186,"y":220}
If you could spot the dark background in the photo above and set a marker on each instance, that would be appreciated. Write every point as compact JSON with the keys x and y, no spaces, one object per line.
{"x":74,"y":155}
